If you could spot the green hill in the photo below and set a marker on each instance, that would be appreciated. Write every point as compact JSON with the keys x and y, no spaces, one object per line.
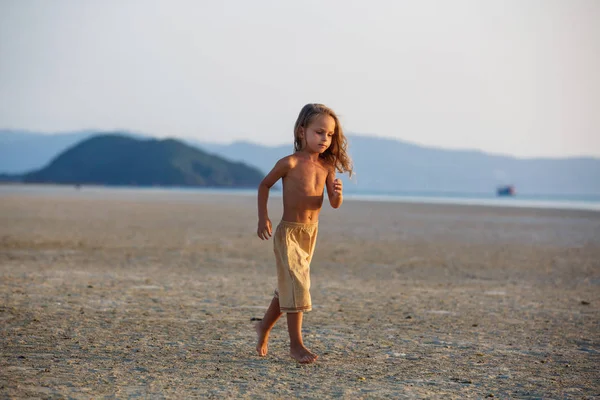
{"x":121,"y":160}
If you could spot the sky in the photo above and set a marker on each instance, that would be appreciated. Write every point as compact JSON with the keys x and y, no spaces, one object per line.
{"x":517,"y":77}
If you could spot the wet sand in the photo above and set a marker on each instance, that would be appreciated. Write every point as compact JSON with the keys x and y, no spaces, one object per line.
{"x":115,"y":293}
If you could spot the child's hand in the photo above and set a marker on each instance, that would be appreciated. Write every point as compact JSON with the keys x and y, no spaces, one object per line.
{"x":264,"y":229}
{"x":337,"y":187}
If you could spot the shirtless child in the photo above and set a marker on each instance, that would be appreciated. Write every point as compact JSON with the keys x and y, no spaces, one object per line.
{"x":320,"y":151}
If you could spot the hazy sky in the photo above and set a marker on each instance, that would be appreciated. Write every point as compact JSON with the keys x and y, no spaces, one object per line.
{"x":513,"y":76}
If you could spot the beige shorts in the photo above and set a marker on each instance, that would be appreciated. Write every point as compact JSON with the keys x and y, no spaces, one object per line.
{"x":294,"y":245}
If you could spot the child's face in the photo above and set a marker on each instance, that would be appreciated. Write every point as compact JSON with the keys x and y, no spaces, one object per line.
{"x":319,"y":133}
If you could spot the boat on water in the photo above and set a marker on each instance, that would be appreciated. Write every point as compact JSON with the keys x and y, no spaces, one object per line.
{"x":508,"y":190}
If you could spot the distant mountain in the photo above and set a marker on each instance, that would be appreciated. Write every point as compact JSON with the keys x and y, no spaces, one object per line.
{"x":387,"y":165}
{"x":121,"y":160}
{"x":22,"y":151}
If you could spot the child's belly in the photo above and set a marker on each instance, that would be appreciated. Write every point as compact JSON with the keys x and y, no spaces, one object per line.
{"x":301,"y":208}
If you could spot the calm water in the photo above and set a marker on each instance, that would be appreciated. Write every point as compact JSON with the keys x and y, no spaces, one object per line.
{"x":524,"y":201}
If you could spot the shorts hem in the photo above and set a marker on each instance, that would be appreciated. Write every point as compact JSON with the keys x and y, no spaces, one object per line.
{"x":295,"y":309}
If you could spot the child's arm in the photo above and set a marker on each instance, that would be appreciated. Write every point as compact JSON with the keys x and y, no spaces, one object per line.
{"x":280,"y":169}
{"x":334,"y":190}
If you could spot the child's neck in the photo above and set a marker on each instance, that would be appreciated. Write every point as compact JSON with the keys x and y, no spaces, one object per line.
{"x":313,"y":156}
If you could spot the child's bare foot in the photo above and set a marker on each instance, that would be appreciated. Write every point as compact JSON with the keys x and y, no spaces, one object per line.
{"x":263,"y":339}
{"x":303,"y":355}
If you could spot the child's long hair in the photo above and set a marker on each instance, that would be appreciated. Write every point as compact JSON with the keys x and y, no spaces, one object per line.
{"x":336,"y":155}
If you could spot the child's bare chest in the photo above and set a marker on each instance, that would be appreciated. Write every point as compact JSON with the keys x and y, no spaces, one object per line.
{"x":309,"y":179}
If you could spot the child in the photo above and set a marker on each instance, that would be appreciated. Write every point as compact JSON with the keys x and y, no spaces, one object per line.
{"x":320,"y":151}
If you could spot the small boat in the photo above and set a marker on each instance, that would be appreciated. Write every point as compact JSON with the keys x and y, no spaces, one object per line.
{"x":508,"y":190}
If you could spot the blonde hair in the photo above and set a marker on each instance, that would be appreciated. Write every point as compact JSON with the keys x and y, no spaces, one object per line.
{"x":336,"y":154}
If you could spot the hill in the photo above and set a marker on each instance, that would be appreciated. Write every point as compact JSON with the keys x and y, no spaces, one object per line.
{"x":120,"y":160}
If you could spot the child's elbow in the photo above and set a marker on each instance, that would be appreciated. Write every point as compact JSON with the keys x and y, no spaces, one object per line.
{"x":263,"y":185}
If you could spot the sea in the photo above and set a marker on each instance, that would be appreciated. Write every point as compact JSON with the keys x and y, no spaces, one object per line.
{"x":546,"y":201}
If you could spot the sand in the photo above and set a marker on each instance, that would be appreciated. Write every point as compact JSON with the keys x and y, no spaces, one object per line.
{"x":121,"y":293}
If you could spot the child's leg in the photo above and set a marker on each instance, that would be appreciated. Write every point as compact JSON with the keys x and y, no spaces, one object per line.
{"x":263,"y":328}
{"x":297,"y":349}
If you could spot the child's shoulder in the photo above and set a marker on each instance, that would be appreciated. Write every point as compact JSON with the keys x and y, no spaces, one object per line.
{"x":288,"y":161}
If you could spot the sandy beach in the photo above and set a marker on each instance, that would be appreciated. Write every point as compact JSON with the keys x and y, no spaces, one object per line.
{"x":124,"y":293}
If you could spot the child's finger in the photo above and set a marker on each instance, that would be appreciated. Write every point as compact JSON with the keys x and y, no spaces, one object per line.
{"x":261,"y":234}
